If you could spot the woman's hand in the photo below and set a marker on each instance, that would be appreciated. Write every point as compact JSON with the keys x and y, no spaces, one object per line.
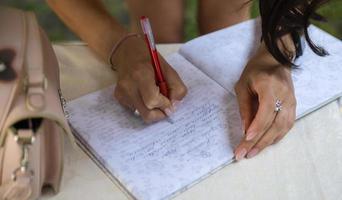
{"x":136,"y":87}
{"x":262,"y":83}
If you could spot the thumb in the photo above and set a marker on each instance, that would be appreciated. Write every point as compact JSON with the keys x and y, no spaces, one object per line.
{"x":245,"y":100}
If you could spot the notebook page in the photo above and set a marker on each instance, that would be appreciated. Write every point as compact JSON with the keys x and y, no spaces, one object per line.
{"x":159,"y":160}
{"x":222,"y":55}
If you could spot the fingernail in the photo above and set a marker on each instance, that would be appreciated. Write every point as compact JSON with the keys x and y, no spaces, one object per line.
{"x":175,"y":103}
{"x":241,"y":154}
{"x":253,"y":153}
{"x":168,"y":111}
{"x":250,"y":136}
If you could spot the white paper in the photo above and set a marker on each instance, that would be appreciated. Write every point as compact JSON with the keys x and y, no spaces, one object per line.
{"x":222,"y":55}
{"x":157,"y":161}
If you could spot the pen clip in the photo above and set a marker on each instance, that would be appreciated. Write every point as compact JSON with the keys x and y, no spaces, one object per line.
{"x":147,"y":30}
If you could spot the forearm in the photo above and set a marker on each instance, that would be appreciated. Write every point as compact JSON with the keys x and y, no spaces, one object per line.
{"x":91,"y":22}
{"x":212,"y":17}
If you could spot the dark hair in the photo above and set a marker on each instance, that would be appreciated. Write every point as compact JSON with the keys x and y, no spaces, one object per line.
{"x":280,"y":17}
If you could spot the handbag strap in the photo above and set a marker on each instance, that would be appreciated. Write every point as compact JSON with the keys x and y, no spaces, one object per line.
{"x":31,"y":73}
{"x":28,"y":63}
{"x":35,"y":82}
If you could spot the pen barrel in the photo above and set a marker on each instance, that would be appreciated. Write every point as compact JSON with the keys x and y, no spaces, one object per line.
{"x":146,"y":27}
{"x":163,"y":89}
{"x":157,"y":67}
{"x":155,"y":61}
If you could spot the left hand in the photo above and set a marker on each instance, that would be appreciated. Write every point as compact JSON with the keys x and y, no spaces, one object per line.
{"x":262,"y":83}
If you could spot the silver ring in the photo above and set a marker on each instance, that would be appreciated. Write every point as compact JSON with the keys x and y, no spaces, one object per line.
{"x":278,"y":106}
{"x":136,"y":113}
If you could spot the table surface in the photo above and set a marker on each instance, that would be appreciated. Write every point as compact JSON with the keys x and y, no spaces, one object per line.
{"x":306,"y":164}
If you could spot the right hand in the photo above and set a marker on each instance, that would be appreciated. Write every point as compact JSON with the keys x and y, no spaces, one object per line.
{"x":136,"y":87}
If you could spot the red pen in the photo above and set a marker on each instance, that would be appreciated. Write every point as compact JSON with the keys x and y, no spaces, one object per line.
{"x":160,"y":80}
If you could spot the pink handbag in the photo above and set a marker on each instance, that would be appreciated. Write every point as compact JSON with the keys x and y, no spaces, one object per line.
{"x":32,"y":121}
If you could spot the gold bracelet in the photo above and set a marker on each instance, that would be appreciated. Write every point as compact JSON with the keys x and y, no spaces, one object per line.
{"x":117,"y":45}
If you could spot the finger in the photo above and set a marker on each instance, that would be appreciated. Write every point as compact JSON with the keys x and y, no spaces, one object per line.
{"x":129,"y":96}
{"x":177,"y":89}
{"x":290,"y":123}
{"x":245,"y":101}
{"x":245,"y":146}
{"x":263,"y":118}
{"x":157,"y":101}
{"x":148,"y":115}
{"x":151,"y":95}
{"x":124,"y":102}
{"x":261,"y":123}
{"x":281,"y":125}
{"x":122,"y":93}
{"x":278,"y":128}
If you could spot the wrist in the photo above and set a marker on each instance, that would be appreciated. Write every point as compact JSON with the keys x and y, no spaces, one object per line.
{"x":286,"y":46}
{"x":117,"y":45}
{"x":132,"y":49}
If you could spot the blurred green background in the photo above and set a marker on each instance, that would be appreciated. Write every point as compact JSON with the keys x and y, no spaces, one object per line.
{"x":58,"y":32}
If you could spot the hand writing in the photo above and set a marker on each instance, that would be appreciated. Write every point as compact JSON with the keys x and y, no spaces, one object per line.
{"x":136,"y":87}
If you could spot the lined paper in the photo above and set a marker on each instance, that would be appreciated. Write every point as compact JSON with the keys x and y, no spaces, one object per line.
{"x":157,"y":161}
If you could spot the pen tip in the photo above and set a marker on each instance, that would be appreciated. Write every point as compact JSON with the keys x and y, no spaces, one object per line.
{"x":170,"y":120}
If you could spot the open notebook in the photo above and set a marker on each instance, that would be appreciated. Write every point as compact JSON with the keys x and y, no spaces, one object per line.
{"x":160,"y":160}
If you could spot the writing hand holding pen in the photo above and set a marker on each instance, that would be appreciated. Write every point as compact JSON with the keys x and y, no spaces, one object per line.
{"x":137,"y":87}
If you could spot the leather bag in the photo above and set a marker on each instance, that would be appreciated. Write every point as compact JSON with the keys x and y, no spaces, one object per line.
{"x":32,"y":121}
